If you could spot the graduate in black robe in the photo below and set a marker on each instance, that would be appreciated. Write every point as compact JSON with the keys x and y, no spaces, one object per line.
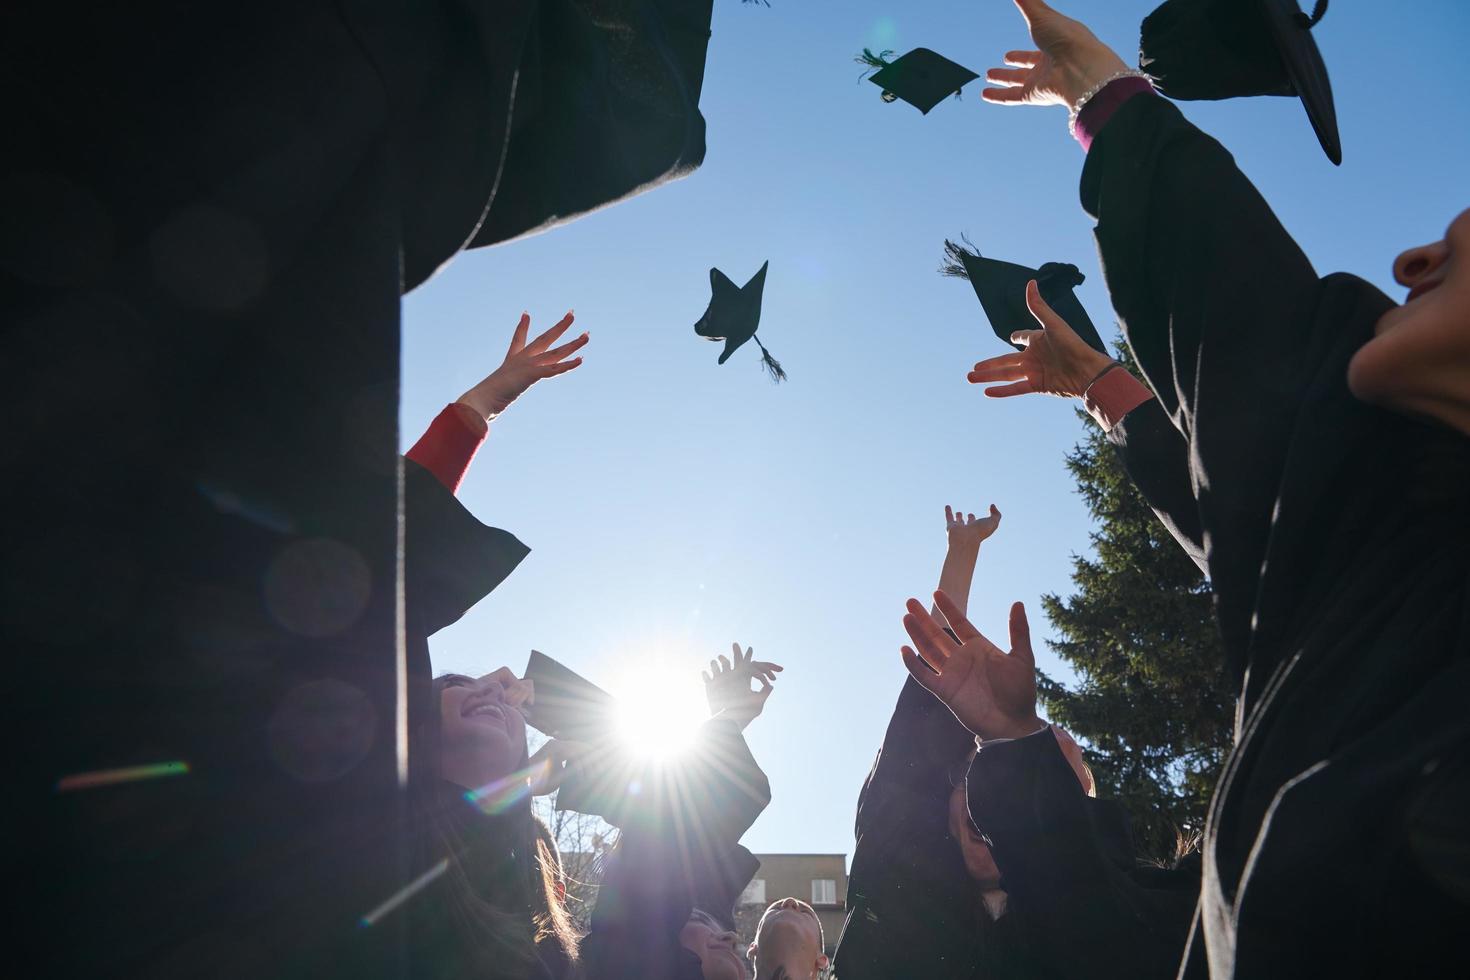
{"x":1070,"y":898}
{"x":212,"y":211}
{"x":1334,"y":535}
{"x":678,"y":860}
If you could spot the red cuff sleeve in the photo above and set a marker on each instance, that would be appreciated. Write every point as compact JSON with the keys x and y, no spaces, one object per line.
{"x":1100,"y":108}
{"x":1113,"y":396}
{"x":449,"y":444}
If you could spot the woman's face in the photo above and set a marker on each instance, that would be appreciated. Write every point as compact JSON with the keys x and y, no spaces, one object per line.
{"x":1418,"y":361}
{"x":482,"y":730}
{"x":706,"y":938}
{"x":976,"y":853}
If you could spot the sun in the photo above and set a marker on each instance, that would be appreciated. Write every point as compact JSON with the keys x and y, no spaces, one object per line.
{"x":660,"y":707}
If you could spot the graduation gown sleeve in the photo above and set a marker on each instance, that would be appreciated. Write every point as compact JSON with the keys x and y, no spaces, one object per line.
{"x":1068,"y":868}
{"x":1217,"y":302}
{"x":908,"y":896}
{"x":606,"y":106}
{"x":1157,"y":460}
{"x":451,"y":560}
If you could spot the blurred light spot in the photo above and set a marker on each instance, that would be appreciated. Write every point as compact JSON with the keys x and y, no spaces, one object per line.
{"x":227,"y":501}
{"x":55,"y":233}
{"x":317,"y":587}
{"x":403,"y":894}
{"x":210,"y":259}
{"x":126,"y":774}
{"x":321,"y":730}
{"x":884,"y":33}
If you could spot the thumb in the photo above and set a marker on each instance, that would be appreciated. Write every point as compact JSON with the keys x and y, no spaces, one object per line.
{"x":1033,"y":10}
{"x":1021,"y":634}
{"x":1042,"y":311}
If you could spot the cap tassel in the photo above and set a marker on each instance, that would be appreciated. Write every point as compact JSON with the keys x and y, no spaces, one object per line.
{"x":1308,"y":22}
{"x":772,"y":366}
{"x":955,"y":255}
{"x":872,"y":62}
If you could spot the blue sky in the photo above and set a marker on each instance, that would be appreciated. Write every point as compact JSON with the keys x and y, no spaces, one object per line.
{"x":673,"y":505}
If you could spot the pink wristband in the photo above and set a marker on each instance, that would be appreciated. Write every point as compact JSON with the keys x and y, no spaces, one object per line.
{"x":1100,"y":108}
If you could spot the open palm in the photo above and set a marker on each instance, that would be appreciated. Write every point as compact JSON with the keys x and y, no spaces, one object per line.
{"x":991,"y":692}
{"x":727,"y":685}
{"x":1068,"y":60}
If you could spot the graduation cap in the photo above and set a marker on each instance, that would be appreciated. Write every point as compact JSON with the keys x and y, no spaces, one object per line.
{"x":1001,"y":287}
{"x":733,"y":315}
{"x":567,"y":705}
{"x":922,"y":78}
{"x":1223,"y":49}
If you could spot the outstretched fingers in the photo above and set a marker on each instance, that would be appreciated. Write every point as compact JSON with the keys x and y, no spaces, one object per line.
{"x":551,"y":336}
{"x":1002,"y":367}
{"x":919,"y":669}
{"x":1023,"y":59}
{"x":1008,"y":77}
{"x":1004,"y":96}
{"x":933,"y":644}
{"x":1023,"y":387}
{"x":518,"y":339}
{"x":956,"y":619}
{"x":559,"y":353}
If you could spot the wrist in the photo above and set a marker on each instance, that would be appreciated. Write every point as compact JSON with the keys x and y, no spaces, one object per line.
{"x":1012,"y":728}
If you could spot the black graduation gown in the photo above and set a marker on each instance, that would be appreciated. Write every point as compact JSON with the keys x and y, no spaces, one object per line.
{"x":910,"y":906}
{"x":1066,"y":862}
{"x":211,"y":212}
{"x":1087,"y":908}
{"x":1334,"y":534}
{"x":678,"y":849}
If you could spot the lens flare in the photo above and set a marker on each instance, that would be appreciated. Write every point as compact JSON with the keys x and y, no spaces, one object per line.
{"x":126,"y":774}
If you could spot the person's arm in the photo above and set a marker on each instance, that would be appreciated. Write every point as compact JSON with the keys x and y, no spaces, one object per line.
{"x":964,"y":532}
{"x":1216,"y":299}
{"x":1055,"y":361}
{"x":448,"y":446}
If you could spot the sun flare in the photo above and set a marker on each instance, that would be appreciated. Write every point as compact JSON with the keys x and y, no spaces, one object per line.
{"x":660,"y":708}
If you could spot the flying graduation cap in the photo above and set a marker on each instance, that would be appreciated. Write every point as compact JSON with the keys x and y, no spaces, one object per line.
{"x":1001,"y":287}
{"x":734,"y":313}
{"x":1224,"y":49}
{"x":921,"y":78}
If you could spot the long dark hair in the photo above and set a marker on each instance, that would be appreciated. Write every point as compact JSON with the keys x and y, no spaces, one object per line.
{"x":501,"y":896}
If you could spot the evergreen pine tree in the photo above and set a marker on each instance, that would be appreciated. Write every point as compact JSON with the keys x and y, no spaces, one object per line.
{"x":1152,"y":698}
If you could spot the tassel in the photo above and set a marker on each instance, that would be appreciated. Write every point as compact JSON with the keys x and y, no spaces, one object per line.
{"x":872,"y":62}
{"x":954,"y":257}
{"x":772,"y":366}
{"x":766,"y":2}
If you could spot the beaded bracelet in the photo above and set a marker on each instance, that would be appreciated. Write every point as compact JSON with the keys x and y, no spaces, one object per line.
{"x":1075,"y":109}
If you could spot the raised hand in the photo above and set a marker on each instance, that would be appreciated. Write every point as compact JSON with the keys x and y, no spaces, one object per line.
{"x":1055,"y":362}
{"x":727,"y":685}
{"x":966,"y":531}
{"x":1069,"y":62}
{"x":991,"y":692}
{"x":524,"y":365}
{"x":548,"y":767}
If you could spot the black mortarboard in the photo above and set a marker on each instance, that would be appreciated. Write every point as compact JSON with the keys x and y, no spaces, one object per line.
{"x":1001,"y":287}
{"x":1223,"y":49}
{"x":734,"y":314}
{"x":922,"y":78}
{"x":566,"y":704}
